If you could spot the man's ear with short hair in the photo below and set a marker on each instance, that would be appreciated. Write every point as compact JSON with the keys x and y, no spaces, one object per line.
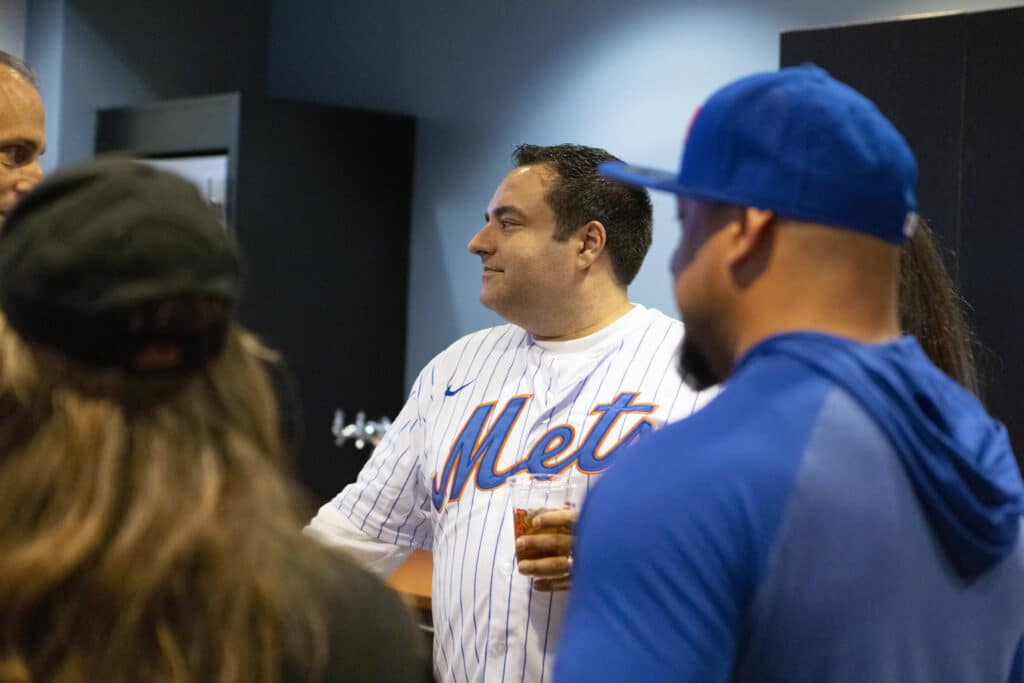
{"x":592,"y":238}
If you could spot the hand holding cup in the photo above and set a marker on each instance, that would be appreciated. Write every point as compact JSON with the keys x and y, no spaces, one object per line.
{"x":544,"y":510}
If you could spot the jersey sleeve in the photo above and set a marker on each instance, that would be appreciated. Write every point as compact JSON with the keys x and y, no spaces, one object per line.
{"x":661,"y":585}
{"x":333,"y":529}
{"x":386,"y":511}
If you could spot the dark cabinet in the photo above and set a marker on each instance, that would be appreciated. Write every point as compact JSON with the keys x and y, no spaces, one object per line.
{"x":951,"y":83}
{"x":319,"y":200}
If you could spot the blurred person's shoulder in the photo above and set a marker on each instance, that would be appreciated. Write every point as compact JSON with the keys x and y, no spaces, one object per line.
{"x":372,"y":635}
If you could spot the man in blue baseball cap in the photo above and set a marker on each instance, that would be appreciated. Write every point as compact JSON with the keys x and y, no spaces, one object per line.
{"x":843,"y":511}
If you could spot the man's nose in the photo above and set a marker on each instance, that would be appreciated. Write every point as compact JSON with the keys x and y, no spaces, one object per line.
{"x":30,"y":177}
{"x":479,"y":244}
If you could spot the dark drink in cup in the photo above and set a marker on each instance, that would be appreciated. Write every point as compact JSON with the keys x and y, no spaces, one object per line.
{"x":522,"y":521}
{"x":533,"y":494}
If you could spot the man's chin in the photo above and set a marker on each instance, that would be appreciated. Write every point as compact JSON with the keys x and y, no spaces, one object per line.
{"x":694,"y":368}
{"x":486,"y":298}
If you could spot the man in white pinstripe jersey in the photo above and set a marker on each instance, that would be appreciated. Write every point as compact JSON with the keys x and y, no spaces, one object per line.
{"x":577,"y":375}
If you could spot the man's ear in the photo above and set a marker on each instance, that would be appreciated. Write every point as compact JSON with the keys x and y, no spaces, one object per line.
{"x":592,"y":238}
{"x":750,"y":245}
{"x":751,"y":233}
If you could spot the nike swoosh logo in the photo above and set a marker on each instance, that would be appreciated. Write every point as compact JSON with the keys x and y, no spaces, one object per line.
{"x":451,"y":392}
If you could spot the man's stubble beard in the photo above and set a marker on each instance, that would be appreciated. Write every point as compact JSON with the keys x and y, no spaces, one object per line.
{"x":694,"y":368}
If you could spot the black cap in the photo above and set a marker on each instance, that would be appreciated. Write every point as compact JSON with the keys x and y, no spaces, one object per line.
{"x":117,"y":264}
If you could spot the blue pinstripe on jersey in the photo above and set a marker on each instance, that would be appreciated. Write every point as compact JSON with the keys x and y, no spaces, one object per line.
{"x":520,"y":347}
{"x":449,"y":664}
{"x":398,"y":497}
{"x":483,"y":526}
{"x":448,"y":558}
{"x":359,"y":498}
{"x":578,"y":391}
{"x":501,"y":529}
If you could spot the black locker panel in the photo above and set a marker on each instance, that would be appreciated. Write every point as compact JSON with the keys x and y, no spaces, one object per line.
{"x":319,"y":199}
{"x":913,"y":71}
{"x":332,"y":260}
{"x":992,"y":248}
{"x":952,"y":85}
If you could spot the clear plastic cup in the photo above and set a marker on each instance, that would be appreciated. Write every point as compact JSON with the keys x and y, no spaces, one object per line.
{"x":532,"y":494}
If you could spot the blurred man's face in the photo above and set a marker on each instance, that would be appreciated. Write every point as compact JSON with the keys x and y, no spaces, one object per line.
{"x":694,"y":269}
{"x":22,"y":138}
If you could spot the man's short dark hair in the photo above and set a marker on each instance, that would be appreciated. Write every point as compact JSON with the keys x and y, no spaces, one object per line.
{"x":581,"y":195}
{"x":19,"y":67}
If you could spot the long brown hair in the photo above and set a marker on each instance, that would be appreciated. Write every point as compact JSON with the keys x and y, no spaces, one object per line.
{"x":932,"y":310}
{"x":146,"y":533}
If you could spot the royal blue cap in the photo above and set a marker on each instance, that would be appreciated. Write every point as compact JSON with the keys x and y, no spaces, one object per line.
{"x":800,"y":143}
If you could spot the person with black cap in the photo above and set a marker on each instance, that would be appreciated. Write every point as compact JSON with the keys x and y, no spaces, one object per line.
{"x":843,"y":510}
{"x":146,"y":530}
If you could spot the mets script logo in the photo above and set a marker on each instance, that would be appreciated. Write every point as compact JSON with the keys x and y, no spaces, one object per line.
{"x":476,"y":450}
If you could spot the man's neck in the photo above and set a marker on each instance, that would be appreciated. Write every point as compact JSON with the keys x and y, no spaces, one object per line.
{"x":857,"y":315}
{"x":578,"y":327}
{"x":821,"y":279}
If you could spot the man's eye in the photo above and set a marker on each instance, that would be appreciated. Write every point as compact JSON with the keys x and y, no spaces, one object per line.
{"x":13,"y":156}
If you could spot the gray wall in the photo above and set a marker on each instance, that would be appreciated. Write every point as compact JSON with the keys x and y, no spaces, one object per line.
{"x":105,"y":53}
{"x":44,"y":51}
{"x":481,"y":76}
{"x":484,"y":76}
{"x":12,"y":27}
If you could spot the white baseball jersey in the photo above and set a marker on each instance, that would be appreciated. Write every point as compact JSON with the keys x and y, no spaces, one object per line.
{"x":494,"y":403}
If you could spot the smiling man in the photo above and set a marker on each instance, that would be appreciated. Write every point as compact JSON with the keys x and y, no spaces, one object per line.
{"x":22,"y":134}
{"x":576,"y":376}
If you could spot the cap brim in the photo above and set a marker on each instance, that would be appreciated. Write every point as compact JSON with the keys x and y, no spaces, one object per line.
{"x":641,"y":176}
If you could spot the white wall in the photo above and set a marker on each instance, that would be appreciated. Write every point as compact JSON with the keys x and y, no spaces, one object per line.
{"x":12,"y":27}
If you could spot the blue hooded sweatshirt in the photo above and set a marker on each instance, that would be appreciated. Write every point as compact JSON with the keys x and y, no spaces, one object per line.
{"x":841,"y":512}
